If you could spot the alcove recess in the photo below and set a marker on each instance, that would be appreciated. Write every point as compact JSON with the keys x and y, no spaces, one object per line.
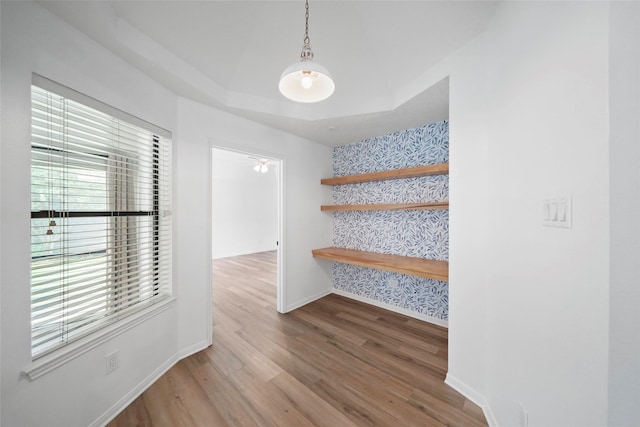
{"x":432,"y":269}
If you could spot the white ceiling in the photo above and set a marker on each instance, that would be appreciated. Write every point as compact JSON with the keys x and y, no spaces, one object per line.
{"x":230,"y":54}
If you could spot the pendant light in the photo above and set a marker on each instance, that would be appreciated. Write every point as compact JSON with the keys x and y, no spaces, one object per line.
{"x":306,"y":81}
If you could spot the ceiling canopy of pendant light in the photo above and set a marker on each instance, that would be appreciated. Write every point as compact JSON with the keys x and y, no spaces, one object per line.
{"x":306,"y":81}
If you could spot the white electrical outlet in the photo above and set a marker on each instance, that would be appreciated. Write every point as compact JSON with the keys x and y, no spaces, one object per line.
{"x":113,"y":362}
{"x":392,"y":283}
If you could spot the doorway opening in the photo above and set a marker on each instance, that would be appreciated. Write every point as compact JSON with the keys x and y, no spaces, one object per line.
{"x":247,"y":222}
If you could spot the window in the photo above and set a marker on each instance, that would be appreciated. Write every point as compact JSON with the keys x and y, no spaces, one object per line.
{"x":100,"y":218}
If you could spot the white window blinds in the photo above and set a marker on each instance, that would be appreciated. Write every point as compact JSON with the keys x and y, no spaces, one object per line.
{"x":100,"y":220}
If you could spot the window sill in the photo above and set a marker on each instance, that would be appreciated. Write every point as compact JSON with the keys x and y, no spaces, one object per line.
{"x":60,"y":357}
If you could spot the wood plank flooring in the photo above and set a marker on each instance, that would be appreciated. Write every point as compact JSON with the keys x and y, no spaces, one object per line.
{"x":335,"y":363}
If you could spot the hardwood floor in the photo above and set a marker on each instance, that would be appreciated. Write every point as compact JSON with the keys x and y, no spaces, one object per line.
{"x":335,"y":362}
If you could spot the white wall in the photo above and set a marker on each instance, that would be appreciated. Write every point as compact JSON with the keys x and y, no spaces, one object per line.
{"x":624,"y":113}
{"x":529,"y":305}
{"x":78,"y":393}
{"x":244,"y":205}
{"x":469,"y":213}
{"x":1,"y":239}
{"x":306,"y":227}
{"x":1,"y":221}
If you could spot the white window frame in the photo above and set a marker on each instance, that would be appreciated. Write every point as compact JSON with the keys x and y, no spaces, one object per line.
{"x":69,"y":351}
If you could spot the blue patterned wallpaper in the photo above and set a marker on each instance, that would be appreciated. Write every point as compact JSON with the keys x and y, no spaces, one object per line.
{"x":417,"y":233}
{"x":410,"y":190}
{"x":420,"y":295}
{"x":425,"y":145}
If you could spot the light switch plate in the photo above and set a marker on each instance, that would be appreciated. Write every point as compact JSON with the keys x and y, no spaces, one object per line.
{"x":557,"y":212}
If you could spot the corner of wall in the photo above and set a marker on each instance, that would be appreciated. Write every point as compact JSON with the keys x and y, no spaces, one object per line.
{"x":474,"y":396}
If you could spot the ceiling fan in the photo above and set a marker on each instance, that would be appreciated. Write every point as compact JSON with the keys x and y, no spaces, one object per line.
{"x":261,"y":164}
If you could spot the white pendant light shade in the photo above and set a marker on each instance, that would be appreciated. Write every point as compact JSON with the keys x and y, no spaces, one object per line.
{"x":306,"y":81}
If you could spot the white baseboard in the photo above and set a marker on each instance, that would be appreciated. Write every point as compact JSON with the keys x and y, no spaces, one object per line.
{"x":120,"y":406}
{"x":473,"y":396}
{"x":393,"y":308}
{"x":298,"y":304}
{"x":193,"y":349}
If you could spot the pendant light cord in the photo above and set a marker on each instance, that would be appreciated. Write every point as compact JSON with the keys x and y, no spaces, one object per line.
{"x":306,"y":54}
{"x":306,"y":23}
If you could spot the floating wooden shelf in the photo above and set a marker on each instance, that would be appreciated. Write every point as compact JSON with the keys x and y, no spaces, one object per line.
{"x":386,"y":206}
{"x":432,"y":269}
{"x":439,"y":169}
